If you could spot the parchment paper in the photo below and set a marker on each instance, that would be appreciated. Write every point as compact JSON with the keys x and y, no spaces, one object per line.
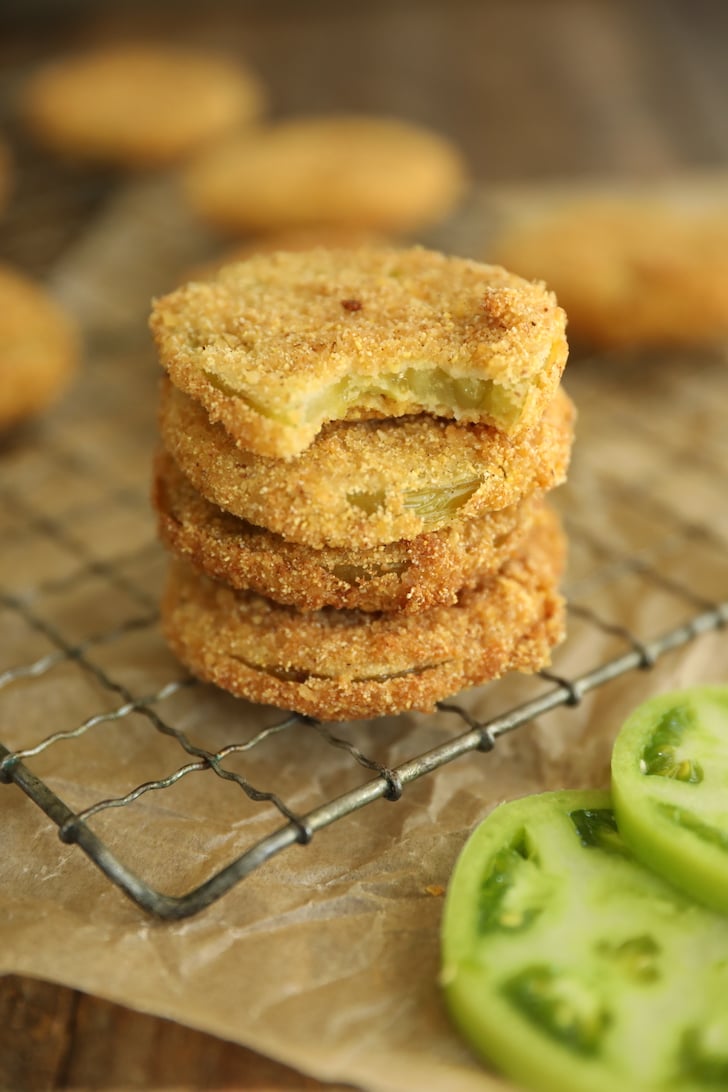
{"x":325,"y":958}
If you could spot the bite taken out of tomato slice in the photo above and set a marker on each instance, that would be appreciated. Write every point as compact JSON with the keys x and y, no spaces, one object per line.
{"x":670,"y":789}
{"x":571,"y":967}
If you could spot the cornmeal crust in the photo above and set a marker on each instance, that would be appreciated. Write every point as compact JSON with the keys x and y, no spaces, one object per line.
{"x":345,"y":664}
{"x":632,"y":269}
{"x":39,"y":347}
{"x":138,"y":105}
{"x":366,"y":483}
{"x":381,"y":173}
{"x":411,"y":575}
{"x":276,"y":346}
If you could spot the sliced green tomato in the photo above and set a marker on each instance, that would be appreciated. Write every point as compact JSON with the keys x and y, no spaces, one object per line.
{"x":670,"y":789}
{"x":424,"y":383}
{"x":569,"y":966}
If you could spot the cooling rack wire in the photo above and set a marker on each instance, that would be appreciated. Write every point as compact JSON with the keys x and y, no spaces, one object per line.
{"x":86,"y":682}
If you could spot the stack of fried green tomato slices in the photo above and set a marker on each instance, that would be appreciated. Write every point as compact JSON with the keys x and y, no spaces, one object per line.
{"x":585,"y":942}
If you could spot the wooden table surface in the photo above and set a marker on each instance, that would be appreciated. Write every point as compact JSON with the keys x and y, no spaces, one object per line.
{"x":530,"y":89}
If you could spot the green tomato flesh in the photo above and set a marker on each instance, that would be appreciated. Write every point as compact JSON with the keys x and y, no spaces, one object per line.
{"x":571,"y":967}
{"x":670,"y":789}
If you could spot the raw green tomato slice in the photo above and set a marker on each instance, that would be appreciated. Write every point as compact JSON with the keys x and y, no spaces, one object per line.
{"x":670,"y":789}
{"x":572,"y":968}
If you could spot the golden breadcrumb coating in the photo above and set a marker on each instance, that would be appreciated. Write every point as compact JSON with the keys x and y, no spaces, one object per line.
{"x":278,"y":345}
{"x":346,"y":664}
{"x":39,"y":347}
{"x":411,"y":575}
{"x":138,"y":105}
{"x":366,"y":483}
{"x":380,"y":173}
{"x":634,"y":269}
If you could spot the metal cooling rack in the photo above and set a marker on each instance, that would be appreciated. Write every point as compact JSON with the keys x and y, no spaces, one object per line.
{"x":388,"y":783}
{"x":78,"y":607}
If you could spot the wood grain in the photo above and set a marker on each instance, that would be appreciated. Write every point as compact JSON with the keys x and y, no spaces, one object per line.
{"x":52,"y":1037}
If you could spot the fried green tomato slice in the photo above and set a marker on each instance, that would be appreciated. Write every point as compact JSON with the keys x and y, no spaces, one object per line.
{"x":276,"y":346}
{"x":138,"y":106}
{"x":411,"y":575}
{"x":347,"y":664}
{"x":363,"y":484}
{"x":571,"y":967}
{"x":40,"y":347}
{"x":670,"y":788}
{"x":342,"y":170}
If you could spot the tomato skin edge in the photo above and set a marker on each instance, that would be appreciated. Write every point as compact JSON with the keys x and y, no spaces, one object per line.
{"x":694,"y":867}
{"x":545,"y":1069}
{"x":653,"y":846}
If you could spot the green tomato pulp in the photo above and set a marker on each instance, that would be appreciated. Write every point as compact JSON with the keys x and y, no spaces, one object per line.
{"x":670,"y":789}
{"x":570,"y":967}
